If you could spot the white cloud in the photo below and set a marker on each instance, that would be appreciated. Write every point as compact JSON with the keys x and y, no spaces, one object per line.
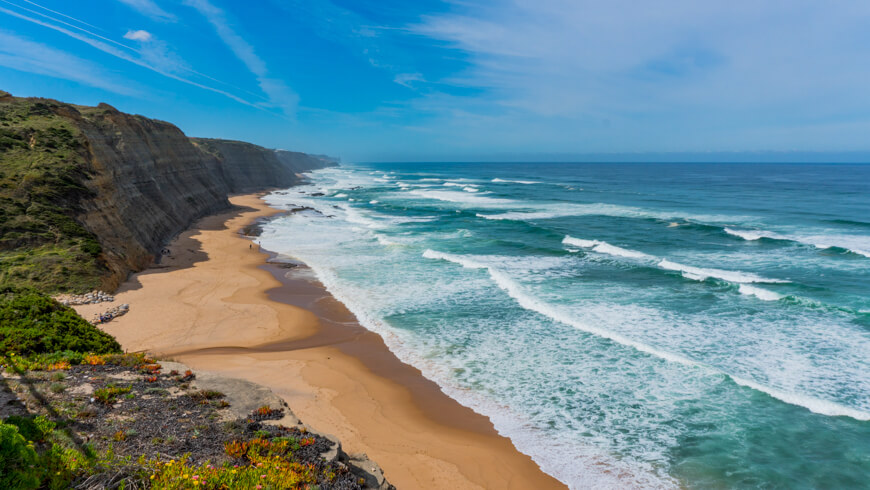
{"x":278,"y":92}
{"x":150,"y":9}
{"x":28,"y":56}
{"x":665,"y":75}
{"x":407,"y":79}
{"x":141,"y":36}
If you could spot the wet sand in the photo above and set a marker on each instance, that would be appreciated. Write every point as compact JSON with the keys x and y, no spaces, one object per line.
{"x":217,"y":305}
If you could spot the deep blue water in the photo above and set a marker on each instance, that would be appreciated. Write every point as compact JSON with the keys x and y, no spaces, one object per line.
{"x":649,"y":325}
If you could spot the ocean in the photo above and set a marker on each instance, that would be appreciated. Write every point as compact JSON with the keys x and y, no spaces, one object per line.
{"x":646,"y":325}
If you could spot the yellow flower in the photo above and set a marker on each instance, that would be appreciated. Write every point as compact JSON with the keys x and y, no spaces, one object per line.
{"x":152,"y":477}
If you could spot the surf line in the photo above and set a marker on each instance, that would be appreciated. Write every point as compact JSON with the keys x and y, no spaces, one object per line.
{"x":742,"y":279}
{"x":531,"y":303}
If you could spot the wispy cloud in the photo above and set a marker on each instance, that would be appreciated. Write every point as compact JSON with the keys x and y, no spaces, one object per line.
{"x":356,"y":33}
{"x":408,"y":79}
{"x":128,"y":54}
{"x":650,"y":71}
{"x":28,"y":56}
{"x":60,"y":14}
{"x":150,"y":9}
{"x":278,"y":92}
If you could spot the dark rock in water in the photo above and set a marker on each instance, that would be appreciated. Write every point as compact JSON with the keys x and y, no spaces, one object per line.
{"x":318,"y":194}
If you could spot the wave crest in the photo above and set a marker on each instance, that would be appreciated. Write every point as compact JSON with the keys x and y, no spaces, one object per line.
{"x":529,"y":302}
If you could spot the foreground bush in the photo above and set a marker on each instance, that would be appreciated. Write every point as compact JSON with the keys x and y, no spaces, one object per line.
{"x":17,"y":460}
{"x":33,"y":323}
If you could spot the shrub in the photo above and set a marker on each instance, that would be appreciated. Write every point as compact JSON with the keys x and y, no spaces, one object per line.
{"x":18,"y":460}
{"x":203,"y":395}
{"x":35,"y":429}
{"x":32,"y":323}
{"x":109,"y":394}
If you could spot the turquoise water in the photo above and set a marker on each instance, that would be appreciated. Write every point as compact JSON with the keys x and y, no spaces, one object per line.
{"x":645,"y":325}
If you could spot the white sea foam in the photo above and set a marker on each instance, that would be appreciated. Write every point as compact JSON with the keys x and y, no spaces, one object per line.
{"x":689,"y":272}
{"x":373,"y":201}
{"x":751,"y":235}
{"x":526,"y":182}
{"x":815,"y":405}
{"x":341,"y":194}
{"x":460,"y":197}
{"x":471,"y":189}
{"x":856,"y":244}
{"x":759,"y":293}
{"x":354,"y":216}
{"x":522,"y":215}
{"x":606,"y":248}
{"x":579,"y":242}
{"x":529,"y":302}
{"x":549,"y":211}
{"x":384,"y":241}
{"x":700,"y":274}
{"x":515,"y":291}
{"x":453,"y":184}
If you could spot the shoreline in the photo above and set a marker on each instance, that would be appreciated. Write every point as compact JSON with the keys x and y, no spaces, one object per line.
{"x":220,"y":306}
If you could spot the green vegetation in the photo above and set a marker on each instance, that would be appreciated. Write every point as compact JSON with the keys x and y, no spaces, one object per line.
{"x":17,"y":458}
{"x":109,"y":394}
{"x":70,"y":440}
{"x":32,"y":323}
{"x":42,"y":175}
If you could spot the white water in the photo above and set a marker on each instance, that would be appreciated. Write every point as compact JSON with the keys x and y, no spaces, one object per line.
{"x":689,"y":272}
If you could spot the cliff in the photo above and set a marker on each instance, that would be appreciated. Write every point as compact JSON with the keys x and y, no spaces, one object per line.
{"x":89,"y":194}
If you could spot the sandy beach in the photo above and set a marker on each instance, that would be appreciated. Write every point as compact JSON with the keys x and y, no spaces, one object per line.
{"x":216,"y":305}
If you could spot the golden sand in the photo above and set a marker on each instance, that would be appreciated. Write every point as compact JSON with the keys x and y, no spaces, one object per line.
{"x":214,"y":305}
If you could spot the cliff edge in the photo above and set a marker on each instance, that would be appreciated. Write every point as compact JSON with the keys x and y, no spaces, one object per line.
{"x":90,"y":194}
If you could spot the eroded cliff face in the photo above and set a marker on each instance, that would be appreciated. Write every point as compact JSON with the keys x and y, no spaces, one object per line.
{"x":246,"y":166}
{"x":151,"y":182}
{"x":142,"y":181}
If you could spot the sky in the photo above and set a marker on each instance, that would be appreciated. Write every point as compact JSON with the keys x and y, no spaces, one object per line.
{"x":465,"y":80}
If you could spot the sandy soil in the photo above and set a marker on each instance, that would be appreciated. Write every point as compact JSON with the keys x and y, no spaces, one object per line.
{"x":216,"y":305}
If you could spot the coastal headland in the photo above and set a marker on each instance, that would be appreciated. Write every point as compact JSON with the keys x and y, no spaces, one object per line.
{"x":215,"y":304}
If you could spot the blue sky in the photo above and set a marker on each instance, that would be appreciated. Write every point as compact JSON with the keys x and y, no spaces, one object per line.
{"x":465,"y":80}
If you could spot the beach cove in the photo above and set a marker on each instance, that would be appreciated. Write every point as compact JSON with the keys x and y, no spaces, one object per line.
{"x":215,"y":304}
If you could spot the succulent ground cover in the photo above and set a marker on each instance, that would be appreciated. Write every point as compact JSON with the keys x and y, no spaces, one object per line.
{"x":120,"y":421}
